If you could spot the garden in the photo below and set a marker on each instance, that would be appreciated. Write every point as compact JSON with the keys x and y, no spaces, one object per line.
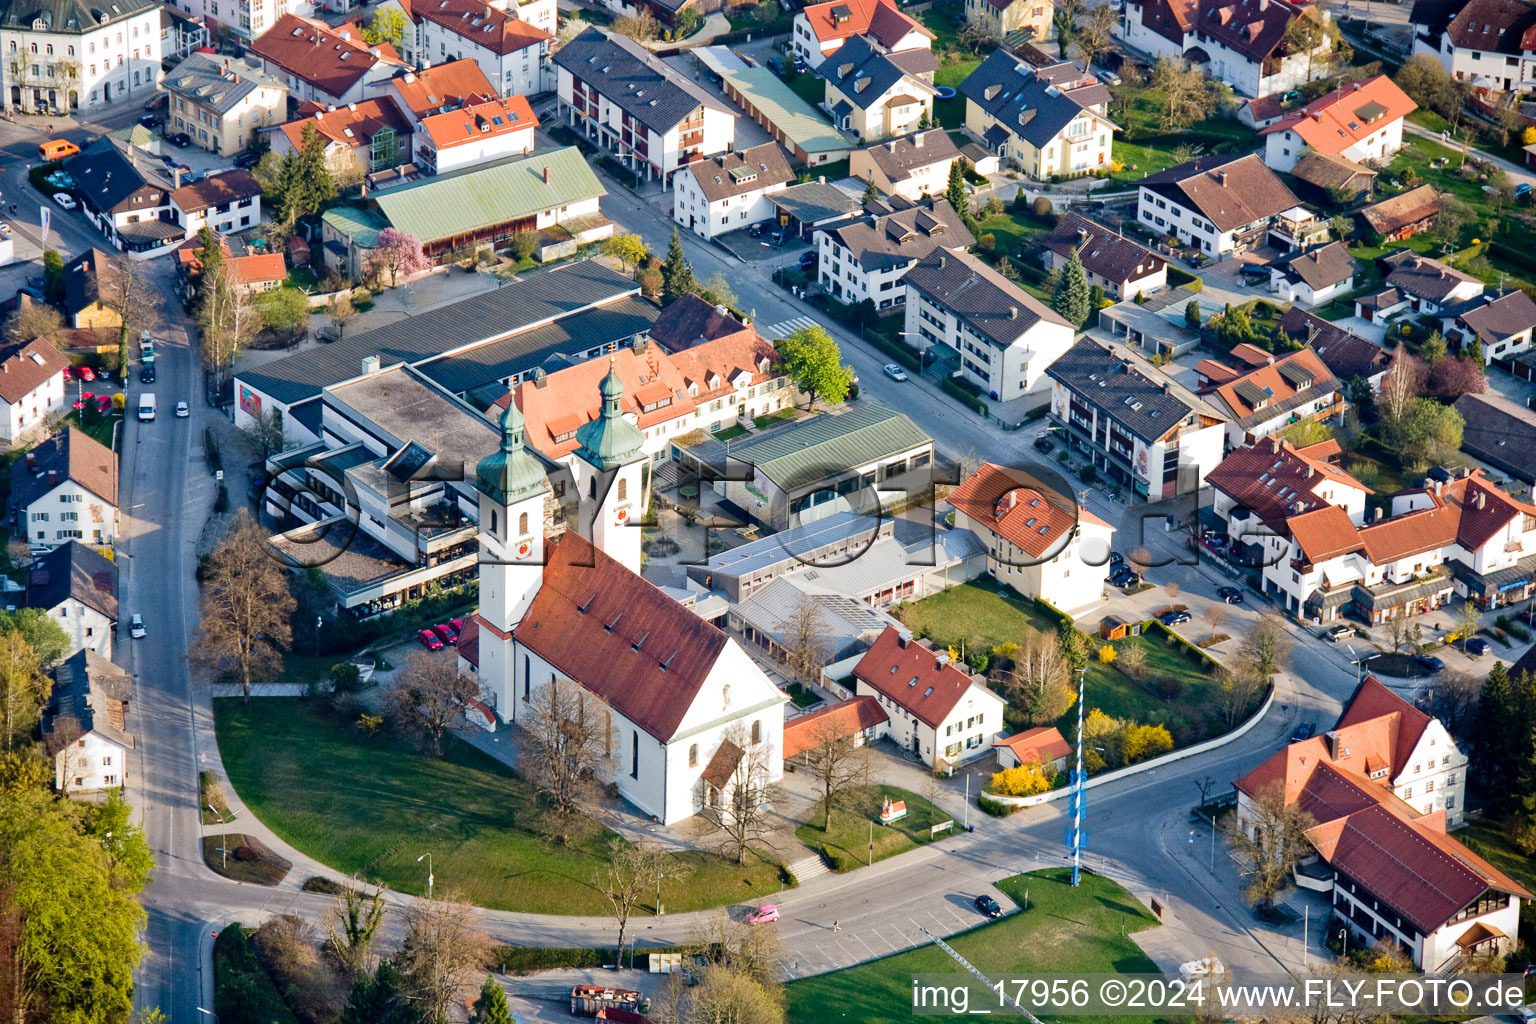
{"x":855,"y":836}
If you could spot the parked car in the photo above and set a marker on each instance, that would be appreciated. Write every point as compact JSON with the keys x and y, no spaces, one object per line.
{"x":429,"y":640}
{"x":988,"y":906}
{"x":894,"y":371}
{"x":150,"y":121}
{"x":147,"y":374}
{"x":1116,"y":558}
{"x":1429,"y":663}
{"x":776,"y":66}
{"x":1125,"y":576}
{"x":64,"y":200}
{"x":136,"y":626}
{"x":181,"y":140}
{"x":1174,"y":618}
{"x":447,"y":632}
{"x":807,"y":260}
{"x":85,"y":373}
{"x":1477,"y":647}
{"x":1043,"y":443}
{"x":247,"y":159}
{"x":1231,"y":595}
{"x":764,"y":914}
{"x":183,"y":410}
{"x":1109,"y":78}
{"x":777,"y":239}
{"x":1303,"y":731}
{"x":1339,"y":632}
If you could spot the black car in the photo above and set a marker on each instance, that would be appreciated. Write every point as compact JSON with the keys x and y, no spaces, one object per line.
{"x":1303,"y":731}
{"x":1231,"y":595}
{"x":248,"y":159}
{"x":181,"y":140}
{"x":987,"y":905}
{"x":1174,"y":618}
{"x":1044,"y":444}
{"x":1116,"y":558}
{"x":776,"y":66}
{"x":147,"y":374}
{"x":756,"y":230}
{"x":150,"y":121}
{"x":1477,"y":647}
{"x":1125,"y":577}
{"x":808,"y":259}
{"x":1429,"y":663}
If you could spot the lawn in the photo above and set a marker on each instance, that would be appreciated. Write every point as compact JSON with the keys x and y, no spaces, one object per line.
{"x":373,"y":806}
{"x":951,"y":112}
{"x":810,"y":87}
{"x":1144,"y":146}
{"x":1486,"y":838}
{"x":1078,"y":931}
{"x":856,"y":824}
{"x":980,"y":614}
{"x":97,"y":425}
{"x":1016,"y":234}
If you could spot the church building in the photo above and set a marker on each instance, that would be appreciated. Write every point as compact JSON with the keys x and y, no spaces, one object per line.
{"x":681,"y":698}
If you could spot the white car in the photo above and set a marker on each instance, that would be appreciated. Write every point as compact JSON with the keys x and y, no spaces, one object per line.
{"x":64,"y":200}
{"x":136,"y":627}
{"x":895,"y":372}
{"x":182,"y":411}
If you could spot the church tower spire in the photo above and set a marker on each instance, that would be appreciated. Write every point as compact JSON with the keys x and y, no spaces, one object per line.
{"x":610,"y":475}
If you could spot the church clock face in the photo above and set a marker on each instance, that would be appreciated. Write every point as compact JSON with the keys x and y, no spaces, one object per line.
{"x":621,"y":516}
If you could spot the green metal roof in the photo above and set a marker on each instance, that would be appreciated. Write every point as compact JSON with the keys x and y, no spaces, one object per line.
{"x":830,"y":444}
{"x":134,"y":135}
{"x":511,"y":474}
{"x":610,"y":440}
{"x":361,"y":225}
{"x":784,"y":109}
{"x":467,"y":201}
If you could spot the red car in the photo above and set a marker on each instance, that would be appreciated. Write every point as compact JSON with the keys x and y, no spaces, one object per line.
{"x":458,"y":625}
{"x":69,"y":374}
{"x":429,"y":640}
{"x":448,"y":633}
{"x":86,"y":373}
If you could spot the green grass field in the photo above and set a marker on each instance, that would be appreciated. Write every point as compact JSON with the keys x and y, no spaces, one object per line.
{"x":373,"y":806}
{"x":1082,"y":931}
{"x":856,"y":823}
{"x":951,"y":112}
{"x":1486,"y":839}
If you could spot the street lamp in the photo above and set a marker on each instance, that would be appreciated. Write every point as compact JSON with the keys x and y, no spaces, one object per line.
{"x":428,"y":858}
{"x":209,"y":1013}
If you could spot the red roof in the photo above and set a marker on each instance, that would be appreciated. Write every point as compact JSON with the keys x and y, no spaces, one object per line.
{"x":1324,"y":533}
{"x":1019,"y":508}
{"x":1277,"y":481}
{"x":1269,"y":379}
{"x":469,"y":641}
{"x":714,"y":366}
{"x":845,"y":718}
{"x":1469,"y":511}
{"x":256,"y":268}
{"x":27,"y":366}
{"x":570,"y":397}
{"x":1040,"y":745}
{"x":331,"y":60}
{"x":481,"y":121}
{"x":494,"y":29}
{"x":634,"y":647}
{"x":879,"y":19}
{"x":1349,"y":114}
{"x":1374,"y":703}
{"x":351,"y":126}
{"x":913,"y":676}
{"x":458,"y":83}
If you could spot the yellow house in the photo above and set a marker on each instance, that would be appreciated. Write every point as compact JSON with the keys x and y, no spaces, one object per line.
{"x":1045,"y":122}
{"x":999,"y":18}
{"x":877,"y":95}
{"x":220,"y":102}
{"x":90,"y":281}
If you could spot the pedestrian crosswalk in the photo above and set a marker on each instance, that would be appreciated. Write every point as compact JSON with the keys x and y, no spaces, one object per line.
{"x":784,"y":328}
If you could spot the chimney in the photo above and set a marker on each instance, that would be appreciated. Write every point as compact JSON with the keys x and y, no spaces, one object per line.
{"x":1082,"y":236}
{"x":370,"y":365}
{"x":941,"y":261}
{"x":1222,"y":175}
{"x":176,"y":177}
{"x":1331,"y":740}
{"x":410,"y":77}
{"x":890,"y":147}
{"x":1482,"y":499}
{"x":547,"y":177}
{"x":1013,"y":312}
{"x":540,"y":378}
{"x":917,"y":140}
{"x":53,"y":476}
{"x":1380,"y":514}
{"x":1167,"y":386}
{"x":821,"y":179}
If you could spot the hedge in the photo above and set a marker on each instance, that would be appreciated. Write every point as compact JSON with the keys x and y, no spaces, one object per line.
{"x":997,"y":808}
{"x":243,"y":992}
{"x":528,"y":959}
{"x":1051,"y":611}
{"x":839,"y":862}
{"x":965,"y":397}
{"x":1520,"y":259}
{"x":897,"y":351}
{"x":1154,"y":626}
{"x":1177,"y":277}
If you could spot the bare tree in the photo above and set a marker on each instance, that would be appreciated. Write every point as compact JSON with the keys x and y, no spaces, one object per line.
{"x":1399,"y":386}
{"x":443,"y":954}
{"x":263,"y":438}
{"x":229,"y":319}
{"x":1270,"y":842}
{"x":740,"y":947}
{"x":1132,"y":660}
{"x":1468,"y":621}
{"x":1186,"y":91}
{"x":1268,"y":643}
{"x":723,"y":996}
{"x":1215,"y":615}
{"x":429,"y":695}
{"x":1095,"y":33}
{"x":805,"y":639}
{"x":1453,"y":698}
{"x":567,"y":748}
{"x":33,"y":320}
{"x":1397,"y":631}
{"x":837,"y":761}
{"x":351,"y":925}
{"x":738,"y":810}
{"x":1172,"y":590}
{"x":1239,"y":688}
{"x":246,"y":607}
{"x":339,"y":310}
{"x":632,"y":872}
{"x":1038,"y":685}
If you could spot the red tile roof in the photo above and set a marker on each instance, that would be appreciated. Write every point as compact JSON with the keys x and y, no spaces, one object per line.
{"x":714,"y":365}
{"x":877,"y":18}
{"x":1040,"y":745}
{"x":844,"y":718}
{"x":1324,"y":533}
{"x":570,"y":397}
{"x":617,"y":635}
{"x":352,"y":126}
{"x":442,"y":87}
{"x":912,"y":676}
{"x":257,"y":268}
{"x":331,"y":60}
{"x":480,"y":121}
{"x":1347,"y":115}
{"x":1373,"y":703}
{"x":1278,"y":481}
{"x":26,"y":366}
{"x":1270,"y":379}
{"x":1019,"y":508}
{"x":494,"y":29}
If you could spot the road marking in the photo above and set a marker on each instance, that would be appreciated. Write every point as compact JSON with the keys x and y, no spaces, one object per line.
{"x":784,"y":328}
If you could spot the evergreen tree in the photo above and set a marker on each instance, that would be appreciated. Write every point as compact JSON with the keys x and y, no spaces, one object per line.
{"x":304,"y":181}
{"x":53,"y":275}
{"x":491,"y":1007}
{"x":1192,"y":314}
{"x":871,"y":194}
{"x":1072,"y":298}
{"x":1473,"y":351}
{"x":955,"y":192}
{"x":378,"y":999}
{"x":676,"y":276}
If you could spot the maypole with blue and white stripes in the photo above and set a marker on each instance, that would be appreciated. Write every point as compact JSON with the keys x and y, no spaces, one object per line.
{"x":1077,"y":836}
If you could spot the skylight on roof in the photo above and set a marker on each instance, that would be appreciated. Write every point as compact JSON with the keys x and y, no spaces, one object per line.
{"x":913,"y":682}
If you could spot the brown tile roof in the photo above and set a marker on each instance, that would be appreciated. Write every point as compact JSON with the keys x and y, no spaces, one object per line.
{"x":216,"y":190}
{"x":1346,"y":355}
{"x":747,"y":170}
{"x":1347,"y":115}
{"x":715,"y":366}
{"x":1253,"y":28}
{"x":490,"y":27}
{"x":1328,"y":171}
{"x":618,"y":636}
{"x":1020,"y":509}
{"x":442,"y":87}
{"x":1230,"y":191}
{"x":1509,"y":314}
{"x":1289,"y":377}
{"x":1265,"y":108}
{"x":844,"y":718}
{"x":331,"y":60}
{"x":1277,"y":481}
{"x":26,"y":366}
{"x":723,"y":765}
{"x":877,"y":18}
{"x":1468,"y":511}
{"x":481,"y":120}
{"x":897,"y":158}
{"x":912,"y":676}
{"x":469,"y":641}
{"x":70,"y":454}
{"x":1492,"y":26}
{"x":1041,"y":745}
{"x":567,"y":398}
{"x":1423,"y":277}
{"x":1102,"y":251}
{"x":353,"y":125}
{"x":689,"y":321}
{"x":1399,"y":211}
{"x":1320,"y":267}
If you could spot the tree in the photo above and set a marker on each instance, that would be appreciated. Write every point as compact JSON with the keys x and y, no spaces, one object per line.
{"x":1095,"y":33}
{"x":428,"y":696}
{"x":1304,"y":35}
{"x":1270,"y":842}
{"x":35,"y":321}
{"x":491,"y":1007}
{"x":44,"y":635}
{"x":955,"y":190}
{"x":21,"y":771}
{"x":127,"y":288}
{"x":398,"y":252}
{"x":304,"y":182}
{"x":1423,"y":78}
{"x":1403,"y":380}
{"x":837,"y":761}
{"x":676,"y":274}
{"x":263,"y":438}
{"x":1186,"y":91}
{"x":130,"y":862}
{"x":686,"y":20}
{"x":1215,"y":615}
{"x":1451,"y":217}
{"x":717,"y":291}
{"x":351,"y":925}
{"x":246,"y":606}
{"x":1171,"y":588}
{"x":871,"y":194}
{"x":1071,"y":297}
{"x":628,"y":248}
{"x":1451,"y":377}
{"x":1240,"y":687}
{"x":805,"y":639}
{"x":1268,"y":644}
{"x":1453,"y":698}
{"x":725,"y":997}
{"x":284,"y":310}
{"x":632,"y":873}
{"x":1192,"y":314}
{"x":1132,"y":661}
{"x":739,"y":810}
{"x":1468,"y":622}
{"x":567,"y":749}
{"x":1342,"y":226}
{"x":1064,"y":21}
{"x":378,"y":999}
{"x":1038,"y":684}
{"x":386,"y":26}
{"x":443,"y":948}
{"x":812,"y":359}
{"x":339,"y":310}
{"x":641,"y":26}
{"x":1426,"y":432}
{"x":1306,"y":432}
{"x":525,"y":244}
{"x":23,"y":688}
{"x":53,"y":276}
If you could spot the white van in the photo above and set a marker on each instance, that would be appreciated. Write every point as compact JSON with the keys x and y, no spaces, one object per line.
{"x":146,"y":408}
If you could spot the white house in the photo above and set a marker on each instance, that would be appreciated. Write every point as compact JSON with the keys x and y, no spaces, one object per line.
{"x":1314,"y":277}
{"x":622,"y":97}
{"x":229,"y":202}
{"x":688,"y":720}
{"x":126,"y":194}
{"x":911,"y":166}
{"x":513,"y":52}
{"x":1047,"y":121}
{"x":322,"y":64}
{"x":1502,"y":322}
{"x":1122,"y":267}
{"x":360,"y":138}
{"x":875,"y":94}
{"x":1360,"y":122}
{"x":1039,"y":541}
{"x":249,"y":19}
{"x":869,"y":258}
{"x":31,"y":387}
{"x":419,"y":46}
{"x":65,"y":489}
{"x":1271,"y":393}
{"x":86,"y":711}
{"x":76,"y":587}
{"x":62,"y":58}
{"x":1420,"y":285}
{"x":474,"y":135}
{"x":820,"y":30}
{"x":1220,"y":204}
{"x":729,"y":192}
{"x":1245,"y":43}
{"x":1006,"y":337}
{"x":1485,"y":42}
{"x":936,"y":711}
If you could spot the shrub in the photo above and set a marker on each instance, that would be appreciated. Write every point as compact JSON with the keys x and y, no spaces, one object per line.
{"x":1025,"y":780}
{"x":1041,"y":207}
{"x":1144,"y":741}
{"x":987,"y":242}
{"x":243,"y":992}
{"x":1088,"y":474}
{"x":996,"y":808}
{"x":528,"y":959}
{"x":1168,"y":687}
{"x":323,"y":885}
{"x":1106,"y":654}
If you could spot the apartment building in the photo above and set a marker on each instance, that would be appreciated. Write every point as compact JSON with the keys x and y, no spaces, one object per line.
{"x":1248,"y":44}
{"x":1221,"y":205}
{"x":869,"y":258}
{"x":222,"y":102}
{"x":715,"y":195}
{"x":63,"y":57}
{"x":1046,"y":121}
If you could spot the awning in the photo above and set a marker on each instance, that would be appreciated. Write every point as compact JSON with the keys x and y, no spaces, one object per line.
{"x":723,"y":765}
{"x":1478,"y":934}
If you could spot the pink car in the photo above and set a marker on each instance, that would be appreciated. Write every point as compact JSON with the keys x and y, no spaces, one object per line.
{"x":429,"y":640}
{"x":764,"y":914}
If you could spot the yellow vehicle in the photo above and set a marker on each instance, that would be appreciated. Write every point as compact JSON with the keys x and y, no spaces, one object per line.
{"x":57,"y":149}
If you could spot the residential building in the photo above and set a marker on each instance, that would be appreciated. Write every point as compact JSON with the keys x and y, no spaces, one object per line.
{"x":91,"y":291}
{"x":1039,"y":541}
{"x":86,"y":718}
{"x":1044,"y":745}
{"x":1486,"y":42}
{"x":31,"y":387}
{"x":181,"y":34}
{"x":1331,"y":177}
{"x":362,"y":137}
{"x":65,"y":489}
{"x":1265,"y":399}
{"x":1123,"y":268}
{"x":789,"y":120}
{"x":1379,"y":791}
{"x":911,"y":166}
{"x":1221,"y":205}
{"x":126,"y":194}
{"x":474,"y":135}
{"x":624,"y":98}
{"x":1245,"y":43}
{"x":511,"y":50}
{"x":716,"y":195}
{"x":689,"y":320}
{"x":432,"y":90}
{"x":226,"y":202}
{"x":876,"y":94}
{"x":1360,"y":121}
{"x":1046,"y":121}
{"x":76,"y":587}
{"x":812,"y":206}
{"x":1500,"y":433}
{"x":1403,"y":215}
{"x":859,"y":718}
{"x":321,"y":64}
{"x":221,"y":102}
{"x":1138,"y":426}
{"x":62,"y":56}
{"x":415,"y":48}
{"x":246,"y":20}
{"x":869,"y":258}
{"x":1314,"y":276}
{"x":1501,"y":322}
{"x":999,"y":19}
{"x":1156,"y":324}
{"x":249,"y":270}
{"x":1415,"y":284}
{"x":936,"y":711}
{"x":821,"y":29}
{"x":1347,"y":356}
{"x":1006,"y":338}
